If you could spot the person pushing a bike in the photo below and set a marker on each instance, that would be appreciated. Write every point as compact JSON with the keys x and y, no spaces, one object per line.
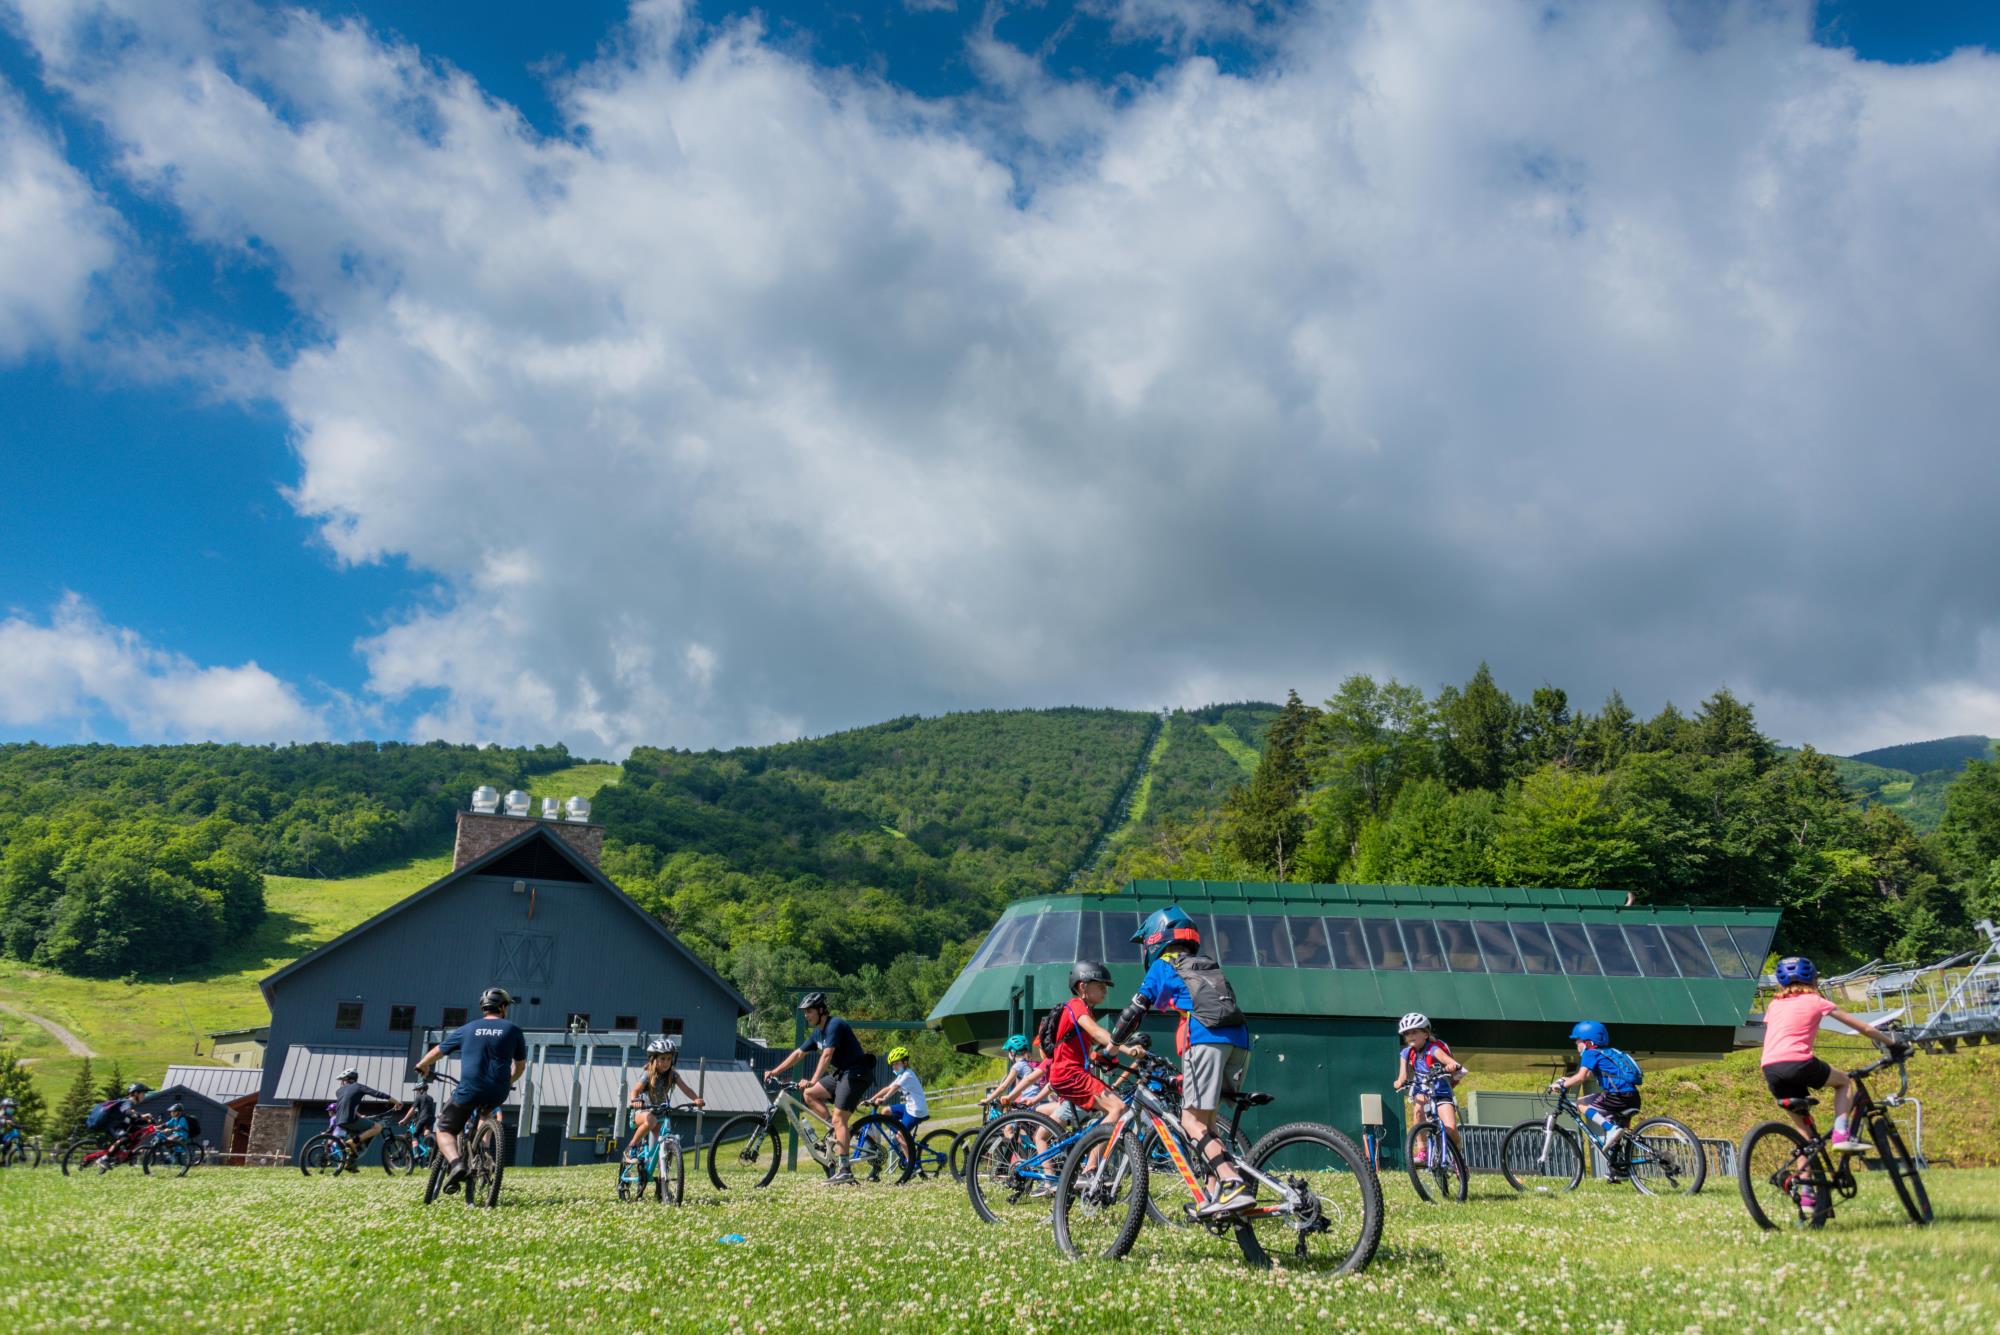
{"x":656,"y":1086}
{"x":1212,"y":1039}
{"x":838,"y":1081}
{"x":492,"y":1054}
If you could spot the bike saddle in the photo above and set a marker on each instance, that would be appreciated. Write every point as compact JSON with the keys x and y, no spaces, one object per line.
{"x":1243,"y":1100}
{"x":1798,"y":1104}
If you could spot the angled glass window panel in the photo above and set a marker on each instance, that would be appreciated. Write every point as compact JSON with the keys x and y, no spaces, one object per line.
{"x":1385,"y":944}
{"x":1650,"y":950}
{"x":1572,"y":947}
{"x":1055,"y":939}
{"x":1090,"y":939}
{"x":1343,"y":936}
{"x":1753,"y":943}
{"x":1722,"y":949}
{"x":1274,"y":943}
{"x":1009,"y":948}
{"x":1461,"y":950}
{"x":986,"y":947}
{"x":1538,"y":951}
{"x":1498,"y":945}
{"x":1612,"y":952}
{"x":1422,"y":940}
{"x":1687,"y":951}
{"x":1309,"y":941}
{"x":1231,"y":942}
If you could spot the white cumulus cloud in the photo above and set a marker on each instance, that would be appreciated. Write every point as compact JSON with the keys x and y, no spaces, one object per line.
{"x":56,"y":236}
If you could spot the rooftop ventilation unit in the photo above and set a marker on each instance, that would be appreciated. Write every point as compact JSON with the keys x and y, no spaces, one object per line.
{"x":577,"y":810}
{"x":551,"y":809}
{"x":486,"y":799}
{"x":517,"y":803}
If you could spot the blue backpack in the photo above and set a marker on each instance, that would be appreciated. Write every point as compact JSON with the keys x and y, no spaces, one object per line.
{"x":1617,"y":1072}
{"x":103,"y":1115}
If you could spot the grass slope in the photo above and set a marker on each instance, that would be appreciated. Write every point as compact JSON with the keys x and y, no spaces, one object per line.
{"x":266,"y":1249}
{"x":1239,"y":750}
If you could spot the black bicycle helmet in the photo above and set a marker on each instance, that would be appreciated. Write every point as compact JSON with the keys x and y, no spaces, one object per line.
{"x":495,"y":998}
{"x":813,"y":1001}
{"x":137,"y":1090}
{"x":1088,"y":971}
{"x":176,"y":1110}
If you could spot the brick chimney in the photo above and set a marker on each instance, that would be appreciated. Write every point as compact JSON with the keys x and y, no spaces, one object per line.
{"x":479,"y":833}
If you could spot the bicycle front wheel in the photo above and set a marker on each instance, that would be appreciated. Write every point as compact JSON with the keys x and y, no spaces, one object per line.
{"x":1436,"y":1169}
{"x":1536,"y":1157}
{"x":1101,"y":1195}
{"x":1902,"y":1169}
{"x":879,"y":1150}
{"x":434,"y":1183}
{"x":1666,"y":1158}
{"x":670,"y":1175}
{"x":1780,"y":1185}
{"x":934,"y":1154}
{"x":398,"y":1157}
{"x":745,"y":1153}
{"x":317,"y":1156}
{"x":171,"y":1160}
{"x":1003,"y":1177}
{"x":1330,"y":1217}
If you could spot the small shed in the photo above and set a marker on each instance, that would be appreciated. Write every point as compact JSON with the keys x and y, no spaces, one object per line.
{"x":223,"y":1098}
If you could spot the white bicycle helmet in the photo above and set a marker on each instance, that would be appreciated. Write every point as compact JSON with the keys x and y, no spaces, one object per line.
{"x":664,"y":1043}
{"x":1414,"y":1020}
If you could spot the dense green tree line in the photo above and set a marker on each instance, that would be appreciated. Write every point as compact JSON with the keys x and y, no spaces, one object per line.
{"x":121,"y":860}
{"x":1382,"y":784}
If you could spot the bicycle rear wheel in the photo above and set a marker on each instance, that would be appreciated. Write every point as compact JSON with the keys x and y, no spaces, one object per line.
{"x":397,"y":1156}
{"x":317,"y":1156}
{"x":482,"y":1185}
{"x":1531,"y":1161}
{"x":745,"y":1152}
{"x":670,"y":1175}
{"x":76,"y":1155}
{"x":1776,"y":1190}
{"x":879,"y":1150}
{"x":1000,"y":1191}
{"x":1902,"y":1169}
{"x":1100,"y":1200}
{"x":1666,"y":1159}
{"x":1336,"y":1222}
{"x":934,"y":1154}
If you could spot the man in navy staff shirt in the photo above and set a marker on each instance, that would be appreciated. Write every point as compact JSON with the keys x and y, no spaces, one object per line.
{"x":834,"y":1093}
{"x":492,"y":1053}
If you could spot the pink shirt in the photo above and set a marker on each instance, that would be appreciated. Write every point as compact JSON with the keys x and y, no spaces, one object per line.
{"x":1789,"y":1026}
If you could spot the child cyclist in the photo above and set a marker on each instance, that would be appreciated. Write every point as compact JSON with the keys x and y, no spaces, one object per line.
{"x":1426,"y":1061}
{"x":1075,"y":1033}
{"x":656,"y":1085}
{"x":1616,"y":1101}
{"x":1791,"y":1021}
{"x":1023,"y":1081}
{"x":903,"y":1096}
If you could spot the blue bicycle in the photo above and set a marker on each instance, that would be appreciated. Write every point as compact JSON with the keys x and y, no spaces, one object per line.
{"x":655,"y":1166}
{"x":1435,"y":1159}
{"x":16,"y":1148}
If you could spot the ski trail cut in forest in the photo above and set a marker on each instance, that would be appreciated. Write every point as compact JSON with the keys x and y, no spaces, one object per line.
{"x":77,"y":1047}
{"x":1130,"y":807}
{"x":1239,"y":750}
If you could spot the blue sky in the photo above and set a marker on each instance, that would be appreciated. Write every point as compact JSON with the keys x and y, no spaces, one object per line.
{"x":159,"y":433}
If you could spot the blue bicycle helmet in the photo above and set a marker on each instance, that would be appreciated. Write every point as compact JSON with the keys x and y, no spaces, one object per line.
{"x":1590,"y":1031}
{"x":1016,"y":1043}
{"x":1167,"y":927}
{"x":1796,"y":969}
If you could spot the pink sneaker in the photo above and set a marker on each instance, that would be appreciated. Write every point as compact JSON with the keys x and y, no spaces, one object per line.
{"x":1843,"y":1143}
{"x":1418,"y":1156}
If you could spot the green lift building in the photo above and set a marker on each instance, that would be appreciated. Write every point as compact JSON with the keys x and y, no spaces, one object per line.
{"x":1324,"y":972}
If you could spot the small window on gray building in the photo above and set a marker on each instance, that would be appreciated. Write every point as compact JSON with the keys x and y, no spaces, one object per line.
{"x":1650,"y":950}
{"x":1498,"y":946}
{"x":1274,"y":943}
{"x":1722,"y":949}
{"x":1344,"y":935}
{"x":1538,"y":952}
{"x":1681,"y":939}
{"x":1460,"y":950}
{"x":454,"y":1016}
{"x":673,"y":1026}
{"x":347,"y":1015}
{"x":1055,"y":939}
{"x":1426,"y":954}
{"x":402,"y":1019}
{"x":1385,"y":943}
{"x":1573,"y":948}
{"x":1612,"y":952}
{"x":625,"y":1022}
{"x":1231,"y":942}
{"x":1309,"y":941}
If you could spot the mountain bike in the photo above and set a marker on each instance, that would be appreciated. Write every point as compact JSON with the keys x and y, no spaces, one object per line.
{"x":333,"y":1151}
{"x":1788,"y":1178}
{"x":746,"y":1149}
{"x":170,"y":1153}
{"x":1436,"y":1162}
{"x":656,"y":1164}
{"x":17,"y":1149}
{"x":404,"y":1152}
{"x":484,"y":1148}
{"x":1319,"y":1201}
{"x":1660,"y":1156}
{"x":929,"y":1155}
{"x":961,"y":1145}
{"x":94,"y":1152}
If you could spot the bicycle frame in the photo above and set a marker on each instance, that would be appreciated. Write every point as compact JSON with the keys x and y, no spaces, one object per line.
{"x":1165,"y":1123}
{"x":1636,"y":1152}
{"x":1839,"y":1169}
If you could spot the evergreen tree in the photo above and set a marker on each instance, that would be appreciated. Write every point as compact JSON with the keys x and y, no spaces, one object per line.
{"x":1726,"y":726}
{"x":1265,"y":820}
{"x":77,"y":1101}
{"x":1478,"y":732}
{"x":1609,"y":736}
{"x":1662,"y":732}
{"x":114,"y":1082}
{"x":1548,"y":733}
{"x":16,"y":1084}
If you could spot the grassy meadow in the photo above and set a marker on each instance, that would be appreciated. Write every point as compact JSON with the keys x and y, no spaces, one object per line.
{"x":266,"y":1249}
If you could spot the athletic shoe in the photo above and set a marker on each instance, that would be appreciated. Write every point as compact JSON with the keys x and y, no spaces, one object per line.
{"x":1235,"y":1196}
{"x":455,"y":1173}
{"x":1843,"y":1143}
{"x":843,"y":1178}
{"x":1418,"y":1157}
{"x":1808,"y":1204}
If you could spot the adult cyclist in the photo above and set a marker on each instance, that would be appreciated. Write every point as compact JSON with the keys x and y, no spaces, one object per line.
{"x":348,"y":1096}
{"x":839,"y":1080}
{"x":492,"y":1053}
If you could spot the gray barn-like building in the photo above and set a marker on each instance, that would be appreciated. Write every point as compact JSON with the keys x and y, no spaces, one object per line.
{"x":525,"y":908}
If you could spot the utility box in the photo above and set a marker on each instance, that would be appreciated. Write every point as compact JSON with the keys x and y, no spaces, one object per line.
{"x":1371,"y":1110}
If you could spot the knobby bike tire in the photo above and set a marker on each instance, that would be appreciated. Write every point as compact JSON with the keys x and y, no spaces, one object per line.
{"x":988,"y":1184}
{"x":1902,"y":1169}
{"x":934,"y":1154}
{"x":74,"y":1155}
{"x":174,"y":1161}
{"x":1110,"y":1194}
{"x":434,"y":1183}
{"x":732,"y":1142}
{"x":1682,"y":1174}
{"x":398,"y":1156}
{"x":671,"y":1175}
{"x":1345,"y":1189}
{"x":1442,"y":1176}
{"x":885,"y":1151}
{"x":1771,"y":1188}
{"x":1522,"y":1164}
{"x":314,"y":1155}
{"x":482,"y":1185}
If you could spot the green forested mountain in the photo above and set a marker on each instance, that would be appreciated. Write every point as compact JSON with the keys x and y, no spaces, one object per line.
{"x":1945,"y":753}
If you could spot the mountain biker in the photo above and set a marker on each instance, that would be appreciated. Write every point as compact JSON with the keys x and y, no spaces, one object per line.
{"x":492,"y":1053}
{"x":657,"y":1084}
{"x":1022,"y":1081}
{"x":1425,"y":1057}
{"x":1073,"y":1035}
{"x":346,"y":1114}
{"x":1791,"y":1071}
{"x":420,"y":1117}
{"x":905,"y":1091}
{"x":125,"y":1121}
{"x":1618,"y":1079}
{"x":1212,"y":1040}
{"x":838,"y":1080}
{"x":177,"y":1122}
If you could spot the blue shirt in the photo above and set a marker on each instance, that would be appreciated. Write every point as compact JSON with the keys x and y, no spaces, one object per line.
{"x":837,"y":1036}
{"x":487,"y":1049}
{"x":1613,"y":1069}
{"x":1163,"y":990}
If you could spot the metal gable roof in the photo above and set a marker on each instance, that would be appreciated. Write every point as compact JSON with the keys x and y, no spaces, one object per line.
{"x":311,"y":1073}
{"x":222,"y":1083}
{"x":589,"y":874}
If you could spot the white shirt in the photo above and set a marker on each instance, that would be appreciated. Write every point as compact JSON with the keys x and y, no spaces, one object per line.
{"x":914,"y":1102}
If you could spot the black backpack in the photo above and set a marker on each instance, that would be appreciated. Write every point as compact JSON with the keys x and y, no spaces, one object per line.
{"x":1213,"y":999}
{"x":1045,"y":1032}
